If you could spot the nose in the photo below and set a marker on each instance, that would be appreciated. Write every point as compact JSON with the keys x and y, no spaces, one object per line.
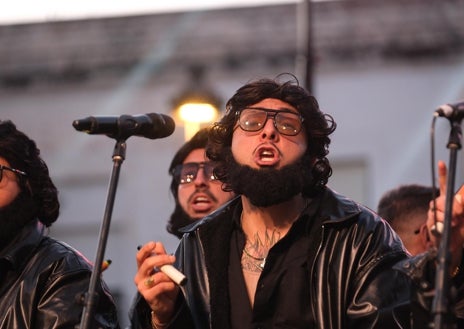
{"x":269,"y":130}
{"x":201,"y":179}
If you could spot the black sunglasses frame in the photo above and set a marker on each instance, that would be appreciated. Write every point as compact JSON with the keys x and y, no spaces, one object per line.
{"x":176,"y":173}
{"x":16,"y":171}
{"x":271,"y":114}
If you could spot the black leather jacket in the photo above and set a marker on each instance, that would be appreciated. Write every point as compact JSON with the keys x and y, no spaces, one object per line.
{"x":353,"y":283}
{"x":40,"y":282}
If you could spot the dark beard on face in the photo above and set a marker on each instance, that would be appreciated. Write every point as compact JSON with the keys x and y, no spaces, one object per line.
{"x":178,"y":219}
{"x":265,"y":187}
{"x":15,"y":216}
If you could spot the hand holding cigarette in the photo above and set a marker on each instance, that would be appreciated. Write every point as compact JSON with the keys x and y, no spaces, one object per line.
{"x":174,"y":274}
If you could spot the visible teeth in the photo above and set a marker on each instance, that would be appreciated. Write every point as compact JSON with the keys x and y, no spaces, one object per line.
{"x":201,"y":199}
{"x":267,"y":154}
{"x":267,"y":159}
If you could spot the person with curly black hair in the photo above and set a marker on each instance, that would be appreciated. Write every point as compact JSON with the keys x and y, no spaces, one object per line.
{"x":43,"y":281}
{"x":288,"y":251}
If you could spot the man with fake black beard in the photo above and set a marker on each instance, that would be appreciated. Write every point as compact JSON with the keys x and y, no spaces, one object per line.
{"x":42,"y":280}
{"x":288,"y":252}
{"x":195,"y":189}
{"x":267,"y":186}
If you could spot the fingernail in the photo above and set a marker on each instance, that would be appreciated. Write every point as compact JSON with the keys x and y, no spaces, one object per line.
{"x":458,"y":198}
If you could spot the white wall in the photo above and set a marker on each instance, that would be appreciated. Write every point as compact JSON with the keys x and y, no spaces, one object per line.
{"x":384,"y":116}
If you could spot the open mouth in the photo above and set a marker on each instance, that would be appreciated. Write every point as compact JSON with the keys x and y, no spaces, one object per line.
{"x":201,"y":199}
{"x":267,"y":156}
{"x":201,"y":203}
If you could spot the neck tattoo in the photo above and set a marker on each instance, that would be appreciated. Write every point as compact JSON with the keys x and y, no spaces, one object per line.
{"x":256,"y":250}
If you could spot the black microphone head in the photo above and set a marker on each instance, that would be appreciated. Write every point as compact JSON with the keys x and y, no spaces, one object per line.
{"x":453,"y":111}
{"x":152,"y":125}
{"x":444,"y":110}
{"x":163,"y":126}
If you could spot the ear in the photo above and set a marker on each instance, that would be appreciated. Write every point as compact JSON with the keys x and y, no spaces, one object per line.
{"x":424,"y":238}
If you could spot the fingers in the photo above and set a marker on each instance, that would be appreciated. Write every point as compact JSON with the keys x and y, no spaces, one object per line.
{"x":148,"y":250}
{"x":438,"y":214}
{"x":434,"y":220}
{"x":160,"y":293}
{"x":149,"y":282}
{"x":149,"y":257}
{"x":437,"y":228}
{"x":144,"y":252}
{"x":154,"y":280}
{"x":460,"y":195}
{"x":157,"y":288}
{"x":434,"y":223}
{"x":442,"y":177}
{"x":458,"y":207}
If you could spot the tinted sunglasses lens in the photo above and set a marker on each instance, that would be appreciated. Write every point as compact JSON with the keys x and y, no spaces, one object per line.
{"x":208,"y":170}
{"x":188,"y":173}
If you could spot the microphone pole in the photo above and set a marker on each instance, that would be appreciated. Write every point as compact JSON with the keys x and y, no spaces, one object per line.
{"x":440,"y":306}
{"x":91,"y":297}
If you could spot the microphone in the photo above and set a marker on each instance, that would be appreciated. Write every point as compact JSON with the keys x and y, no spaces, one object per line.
{"x":150,"y":125}
{"x":451,"y":111}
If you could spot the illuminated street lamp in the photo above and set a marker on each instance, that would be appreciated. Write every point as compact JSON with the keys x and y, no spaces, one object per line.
{"x":197,"y":105}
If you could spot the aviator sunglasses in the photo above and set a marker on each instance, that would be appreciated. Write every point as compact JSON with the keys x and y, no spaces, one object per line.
{"x":187,"y":172}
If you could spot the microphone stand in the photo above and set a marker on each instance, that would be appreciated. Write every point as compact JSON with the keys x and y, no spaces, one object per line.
{"x":91,"y":297}
{"x":440,"y":306}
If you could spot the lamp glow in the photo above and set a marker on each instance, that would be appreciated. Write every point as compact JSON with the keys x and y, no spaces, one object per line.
{"x":197,"y":105}
{"x":197,"y":112}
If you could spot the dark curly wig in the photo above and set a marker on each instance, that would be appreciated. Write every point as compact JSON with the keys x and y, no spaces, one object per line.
{"x":179,"y":217}
{"x":318,"y":127}
{"x":22,"y":153}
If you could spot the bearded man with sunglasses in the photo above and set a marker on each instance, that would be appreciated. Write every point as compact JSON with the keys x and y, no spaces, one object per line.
{"x":195,"y":189}
{"x":42,"y":281}
{"x":288,"y":252}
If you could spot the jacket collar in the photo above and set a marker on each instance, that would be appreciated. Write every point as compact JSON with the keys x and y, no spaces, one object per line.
{"x":337,"y":208}
{"x":217,"y":213}
{"x":23,"y":245}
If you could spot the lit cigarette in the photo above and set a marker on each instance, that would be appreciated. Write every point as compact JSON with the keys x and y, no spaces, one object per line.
{"x":174,"y":274}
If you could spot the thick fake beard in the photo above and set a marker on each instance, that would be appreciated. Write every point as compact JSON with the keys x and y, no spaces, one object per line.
{"x":265,"y":187}
{"x":15,"y":216}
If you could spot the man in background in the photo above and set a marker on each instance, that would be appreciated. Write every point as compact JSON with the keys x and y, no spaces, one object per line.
{"x":196,"y":190}
{"x":42,"y":280}
{"x":405,"y":208}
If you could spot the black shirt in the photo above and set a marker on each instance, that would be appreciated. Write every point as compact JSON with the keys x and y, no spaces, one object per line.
{"x":282,"y":298}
